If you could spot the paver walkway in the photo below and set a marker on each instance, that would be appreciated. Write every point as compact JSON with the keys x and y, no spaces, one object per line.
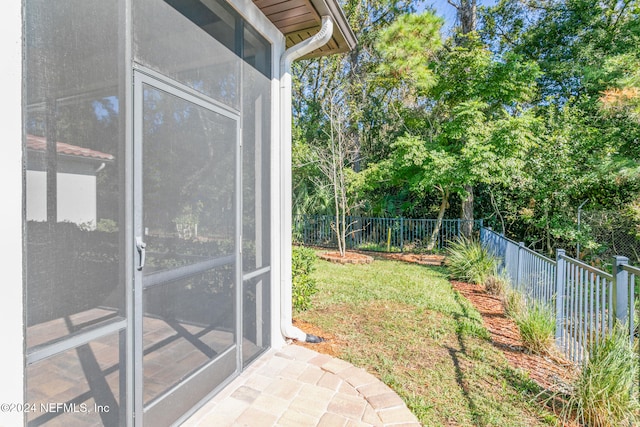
{"x":298,"y":387}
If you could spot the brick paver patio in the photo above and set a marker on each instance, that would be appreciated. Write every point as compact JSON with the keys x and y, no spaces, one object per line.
{"x":298,"y":387}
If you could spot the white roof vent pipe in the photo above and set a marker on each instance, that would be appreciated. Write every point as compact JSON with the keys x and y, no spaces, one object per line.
{"x":294,"y":52}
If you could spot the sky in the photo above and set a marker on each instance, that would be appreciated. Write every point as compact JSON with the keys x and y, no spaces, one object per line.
{"x":444,"y":9}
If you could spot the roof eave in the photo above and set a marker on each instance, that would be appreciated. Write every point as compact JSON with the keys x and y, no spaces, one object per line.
{"x":299,"y":20}
{"x":341,"y":27}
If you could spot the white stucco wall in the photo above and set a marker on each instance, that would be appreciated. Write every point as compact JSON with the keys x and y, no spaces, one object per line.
{"x":11,"y":366}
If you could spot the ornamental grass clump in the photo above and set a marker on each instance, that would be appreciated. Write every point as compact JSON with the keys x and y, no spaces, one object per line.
{"x":537,"y":328}
{"x":513,"y":303}
{"x":604,"y":393}
{"x":497,"y":284}
{"x":468,"y":261}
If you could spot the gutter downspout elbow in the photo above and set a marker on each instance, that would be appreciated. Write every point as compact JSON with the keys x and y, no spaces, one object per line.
{"x":318,"y":40}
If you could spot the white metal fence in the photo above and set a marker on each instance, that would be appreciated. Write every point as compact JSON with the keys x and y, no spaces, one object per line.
{"x":586,"y":301}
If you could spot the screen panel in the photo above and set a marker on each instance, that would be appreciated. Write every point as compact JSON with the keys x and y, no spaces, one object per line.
{"x":74,"y":149}
{"x":79,"y":387}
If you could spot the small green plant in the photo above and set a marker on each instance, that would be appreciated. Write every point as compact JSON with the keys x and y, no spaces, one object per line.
{"x":604,"y":392}
{"x":469,"y":261}
{"x":496,"y":284}
{"x":537,"y":328}
{"x":303,"y":286}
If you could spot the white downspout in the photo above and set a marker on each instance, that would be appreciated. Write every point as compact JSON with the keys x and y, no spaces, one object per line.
{"x":290,"y":55}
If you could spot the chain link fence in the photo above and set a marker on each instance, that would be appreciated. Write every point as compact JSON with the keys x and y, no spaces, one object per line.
{"x":609,"y":233}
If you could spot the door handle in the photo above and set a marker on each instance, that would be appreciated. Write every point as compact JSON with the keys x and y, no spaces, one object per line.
{"x":142,"y":251}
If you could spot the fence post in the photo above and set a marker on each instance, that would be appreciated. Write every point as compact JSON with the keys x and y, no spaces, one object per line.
{"x":620,"y":289}
{"x":519,"y":265}
{"x":401,"y":234}
{"x":560,"y":269}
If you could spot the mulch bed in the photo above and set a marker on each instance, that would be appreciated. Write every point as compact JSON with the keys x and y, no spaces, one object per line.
{"x":348,"y":258}
{"x":549,"y":371}
{"x":331,"y":345}
{"x":422,"y":259}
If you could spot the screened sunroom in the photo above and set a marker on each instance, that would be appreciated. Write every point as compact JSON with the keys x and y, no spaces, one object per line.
{"x":151,"y":260}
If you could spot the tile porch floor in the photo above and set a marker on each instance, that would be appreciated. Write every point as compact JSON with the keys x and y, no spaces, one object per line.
{"x":298,"y":387}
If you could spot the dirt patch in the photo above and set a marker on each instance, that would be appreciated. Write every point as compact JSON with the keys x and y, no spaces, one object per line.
{"x":331,"y":345}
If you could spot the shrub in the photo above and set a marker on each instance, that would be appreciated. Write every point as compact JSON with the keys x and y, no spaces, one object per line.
{"x":537,"y":328}
{"x":303,"y":286}
{"x":604,"y":392}
{"x":469,"y":261}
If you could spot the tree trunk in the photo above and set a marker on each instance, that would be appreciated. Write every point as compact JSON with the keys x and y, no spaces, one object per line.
{"x":467,"y":213}
{"x":436,"y":231}
{"x":467,"y":15}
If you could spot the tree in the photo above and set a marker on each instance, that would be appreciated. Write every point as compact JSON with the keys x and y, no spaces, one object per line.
{"x":467,"y":14}
{"x":476,"y":107}
{"x":333,"y":160}
{"x":371,"y":106}
{"x":467,"y":19}
{"x":588,"y":109}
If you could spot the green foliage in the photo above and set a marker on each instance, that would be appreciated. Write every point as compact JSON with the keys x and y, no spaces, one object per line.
{"x":107,"y":225}
{"x":479,"y":126}
{"x":535,"y":113}
{"x":587,"y":110}
{"x":408,"y":46}
{"x":304,"y":285}
{"x":469,"y":261}
{"x":537,"y":328}
{"x":605,"y":392}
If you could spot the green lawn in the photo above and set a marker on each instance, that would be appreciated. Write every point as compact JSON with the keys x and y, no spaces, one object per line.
{"x":405,"y":324}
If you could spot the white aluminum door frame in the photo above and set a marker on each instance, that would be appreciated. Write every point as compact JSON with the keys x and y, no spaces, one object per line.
{"x":218,"y":372}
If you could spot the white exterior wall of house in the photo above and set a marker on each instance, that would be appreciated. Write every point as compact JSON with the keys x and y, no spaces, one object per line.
{"x":11,"y":308}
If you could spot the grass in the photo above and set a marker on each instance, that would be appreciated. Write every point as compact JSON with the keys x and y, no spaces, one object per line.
{"x":405,"y":324}
{"x":513,"y":302}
